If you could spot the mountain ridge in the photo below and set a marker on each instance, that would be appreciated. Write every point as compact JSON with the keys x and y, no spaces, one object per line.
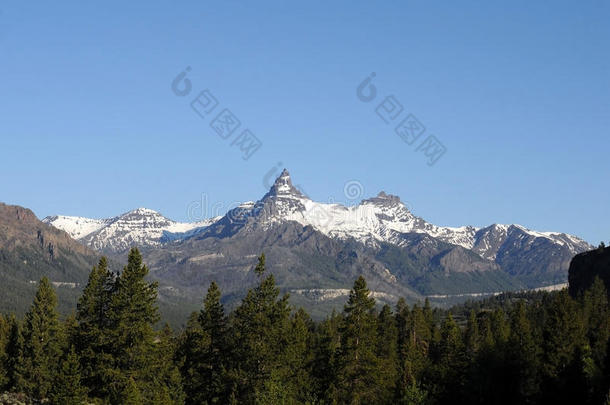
{"x":382,"y":218}
{"x":139,"y":227}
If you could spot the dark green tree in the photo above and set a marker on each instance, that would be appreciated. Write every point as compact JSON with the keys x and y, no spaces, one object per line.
{"x":42,"y":340}
{"x":299,"y":358}
{"x":168,"y":382}
{"x":522,"y":358}
{"x":500,"y":327}
{"x":13,"y":355}
{"x":131,"y":315}
{"x":91,"y":337}
{"x":325,"y":347}
{"x":67,"y":388}
{"x":189,"y":357}
{"x":562,"y":336}
{"x":413,"y":346}
{"x":4,"y":336}
{"x":260,"y":325}
{"x":357,"y":362}
{"x":212,"y":355}
{"x":450,"y":362}
{"x":387,"y":354}
{"x":597,"y":319}
{"x":130,"y":394}
{"x":471,"y":336}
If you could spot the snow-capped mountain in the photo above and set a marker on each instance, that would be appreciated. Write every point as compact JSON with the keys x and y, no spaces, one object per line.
{"x":140,"y":227}
{"x":383,"y":218}
{"x":380,"y":231}
{"x":380,"y":219}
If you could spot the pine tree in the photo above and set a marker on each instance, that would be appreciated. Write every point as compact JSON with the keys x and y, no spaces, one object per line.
{"x":500,"y":327}
{"x":414,"y":395}
{"x":69,"y":329}
{"x":260,"y":324}
{"x":212,"y":369}
{"x":67,"y":388}
{"x":190,"y":349}
{"x":299,"y":358}
{"x":451,"y":341}
{"x":4,"y":336}
{"x":130,"y":394}
{"x":326,"y":343}
{"x":14,"y":355}
{"x":563,"y":334}
{"x":168,"y":382}
{"x":472,"y":345}
{"x":403,"y":314}
{"x":387,"y":353}
{"x":131,"y":315}
{"x":451,"y":361}
{"x":597,"y":319}
{"x":358,"y":364}
{"x":414,"y":344}
{"x":522,"y":358}
{"x":91,"y":339}
{"x":431,"y":322}
{"x":488,"y":341}
{"x":41,"y":349}
{"x":471,"y":336}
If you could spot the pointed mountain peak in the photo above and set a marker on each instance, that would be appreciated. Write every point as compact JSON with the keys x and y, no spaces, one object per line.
{"x":283,"y":187}
{"x":283,"y":179}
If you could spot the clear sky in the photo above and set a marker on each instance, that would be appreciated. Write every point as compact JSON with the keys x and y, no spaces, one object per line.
{"x":519,"y":94}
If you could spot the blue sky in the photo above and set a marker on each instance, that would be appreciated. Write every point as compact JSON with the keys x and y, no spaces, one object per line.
{"x":519,"y":94}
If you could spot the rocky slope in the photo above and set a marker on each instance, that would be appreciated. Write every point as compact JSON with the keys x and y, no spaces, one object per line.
{"x":30,"y":249}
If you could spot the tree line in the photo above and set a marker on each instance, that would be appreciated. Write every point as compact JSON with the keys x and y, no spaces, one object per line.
{"x":552,"y":350}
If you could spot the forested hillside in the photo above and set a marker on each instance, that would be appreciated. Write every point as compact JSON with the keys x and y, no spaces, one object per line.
{"x":549,"y":349}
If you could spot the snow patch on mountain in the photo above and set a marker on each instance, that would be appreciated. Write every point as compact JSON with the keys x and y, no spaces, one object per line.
{"x":76,"y":227}
{"x":141,"y":227}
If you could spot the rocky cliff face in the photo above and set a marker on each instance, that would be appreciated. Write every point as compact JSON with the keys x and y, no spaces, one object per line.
{"x":21,"y":231}
{"x":585,"y":267}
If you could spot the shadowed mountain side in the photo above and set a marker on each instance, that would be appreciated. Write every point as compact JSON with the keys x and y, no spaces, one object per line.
{"x":298,"y":257}
{"x":585,"y":267}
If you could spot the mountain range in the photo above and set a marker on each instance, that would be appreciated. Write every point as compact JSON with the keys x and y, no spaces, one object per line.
{"x":315,"y":250}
